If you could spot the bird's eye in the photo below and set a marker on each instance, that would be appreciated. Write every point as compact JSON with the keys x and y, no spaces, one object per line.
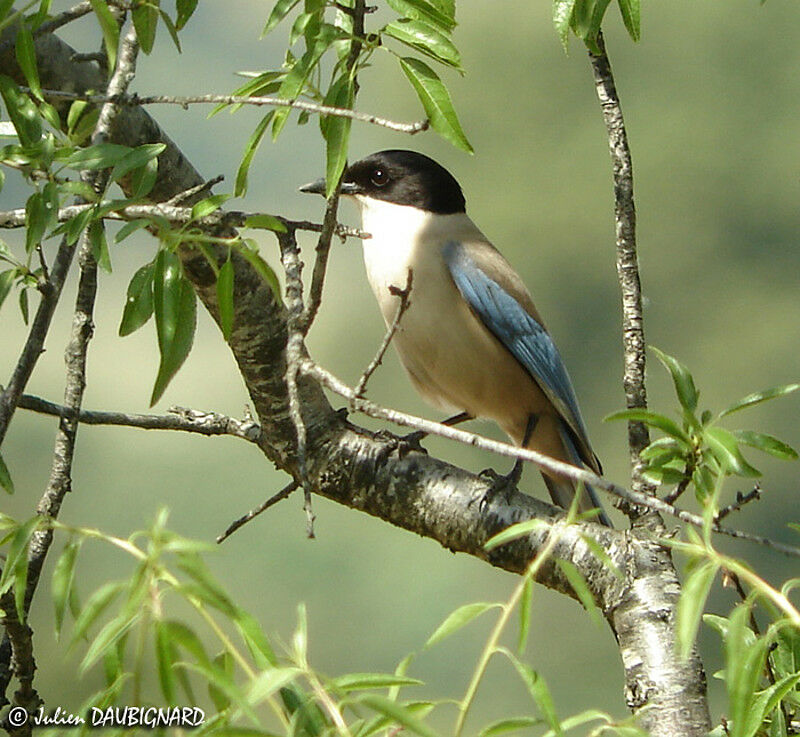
{"x":379,"y":177}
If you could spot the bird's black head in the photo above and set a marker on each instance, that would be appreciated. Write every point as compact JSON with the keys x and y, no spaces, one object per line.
{"x":403,"y":178}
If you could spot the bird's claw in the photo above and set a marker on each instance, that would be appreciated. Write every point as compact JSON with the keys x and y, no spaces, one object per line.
{"x":505,"y":485}
{"x":405,"y":444}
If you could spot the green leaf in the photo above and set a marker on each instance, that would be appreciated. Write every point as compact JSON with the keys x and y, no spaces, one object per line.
{"x":145,"y":19}
{"x":17,"y":551}
{"x":653,"y":419}
{"x":684,"y":383}
{"x":143,"y":180}
{"x":109,"y":28}
{"x":279,"y":12}
{"x":223,"y":665}
{"x":562,"y":18}
{"x":508,"y":725}
{"x":173,"y":32}
{"x":525,"y":607}
{"x":587,"y":17}
{"x":367,"y":681}
{"x":458,"y":619}
{"x":225,"y":298}
{"x":397,"y":713}
{"x":744,"y":663}
{"x":63,"y":576}
{"x":97,"y":603}
{"x":436,"y":102}
{"x":139,"y":302}
{"x":767,"y":443}
{"x":209,"y":205}
{"x":513,"y":532}
{"x":5,"y":477}
{"x":240,"y":187}
{"x":269,"y":682}
{"x":23,"y":304}
{"x":425,"y":39}
{"x":691,"y":604}
{"x":264,"y":271}
{"x":136,"y":158}
{"x":581,"y":589}
{"x":129,"y":228}
{"x":758,"y":397}
{"x":666,"y":475}
{"x":703,"y":481}
{"x":425,"y":11}
{"x":185,"y":10}
{"x":725,"y":448}
{"x":265,"y":222}
{"x":99,"y":156}
{"x":632,"y":17}
{"x":538,"y":689}
{"x":41,"y":213}
{"x":108,"y":637}
{"x":175,"y":307}
{"x":255,"y":639}
{"x":207,"y":588}
{"x":337,"y":132}
{"x":26,"y":58}
{"x":166,"y":658}
{"x":23,"y":113}
{"x":179,"y":634}
{"x":97,"y":239}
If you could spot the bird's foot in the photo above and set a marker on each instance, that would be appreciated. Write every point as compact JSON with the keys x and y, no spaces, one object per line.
{"x":405,"y":444}
{"x":505,"y":485}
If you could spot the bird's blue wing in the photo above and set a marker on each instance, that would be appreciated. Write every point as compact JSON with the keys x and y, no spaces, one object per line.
{"x":522,"y":335}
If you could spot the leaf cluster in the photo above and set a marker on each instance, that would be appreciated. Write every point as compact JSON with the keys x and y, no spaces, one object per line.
{"x":695,"y":449}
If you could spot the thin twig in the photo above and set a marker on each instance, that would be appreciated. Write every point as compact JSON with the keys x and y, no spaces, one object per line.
{"x":677,"y":492}
{"x":257,"y":100}
{"x":371,"y":409}
{"x":402,"y":306}
{"x":274,"y":499}
{"x":179,"y":418}
{"x":176,"y":215}
{"x":193,"y":192}
{"x":741,"y":500}
{"x":295,"y":352}
{"x":627,"y":263}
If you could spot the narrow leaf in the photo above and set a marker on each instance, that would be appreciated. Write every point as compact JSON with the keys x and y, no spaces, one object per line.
{"x":767,"y":443}
{"x":725,"y":447}
{"x":458,"y":619}
{"x":185,"y":10}
{"x":264,"y":271}
{"x":145,"y":19}
{"x":513,"y":532}
{"x":97,"y":603}
{"x":581,"y":589}
{"x":684,"y":383}
{"x":175,"y":307}
{"x":758,"y":397}
{"x":139,"y":302}
{"x":426,"y":39}
{"x":507,"y":726}
{"x":5,"y":476}
{"x":436,"y":101}
{"x":265,"y":222}
{"x":279,"y":12}
{"x":135,"y":158}
{"x":26,"y":57}
{"x":562,"y":17}
{"x":337,"y":133}
{"x":538,"y":689}
{"x":63,"y":576}
{"x":654,"y":419}
{"x":165,"y":660}
{"x":397,"y":713}
{"x":22,"y":111}
{"x":367,"y":681}
{"x":424,"y":11}
{"x":691,"y":604}
{"x":240,"y":187}
{"x":525,"y":608}
{"x":109,"y":28}
{"x":632,"y":17}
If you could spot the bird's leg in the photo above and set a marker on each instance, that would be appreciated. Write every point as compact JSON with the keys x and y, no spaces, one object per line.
{"x":508,"y":483}
{"x":414,"y":438}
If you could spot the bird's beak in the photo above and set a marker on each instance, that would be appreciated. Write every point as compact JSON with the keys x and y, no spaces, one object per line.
{"x":318,"y":187}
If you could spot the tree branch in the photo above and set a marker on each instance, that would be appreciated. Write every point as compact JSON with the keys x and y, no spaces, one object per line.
{"x":259,"y":101}
{"x":179,"y":418}
{"x":627,"y":266}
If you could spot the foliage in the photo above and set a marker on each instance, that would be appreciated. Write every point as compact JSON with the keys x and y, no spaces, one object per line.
{"x":696,"y":450}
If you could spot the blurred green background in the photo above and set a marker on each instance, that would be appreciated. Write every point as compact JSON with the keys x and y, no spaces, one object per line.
{"x":711,"y":97}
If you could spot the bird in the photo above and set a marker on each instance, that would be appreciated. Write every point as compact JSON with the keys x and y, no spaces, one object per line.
{"x":470,"y":339}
